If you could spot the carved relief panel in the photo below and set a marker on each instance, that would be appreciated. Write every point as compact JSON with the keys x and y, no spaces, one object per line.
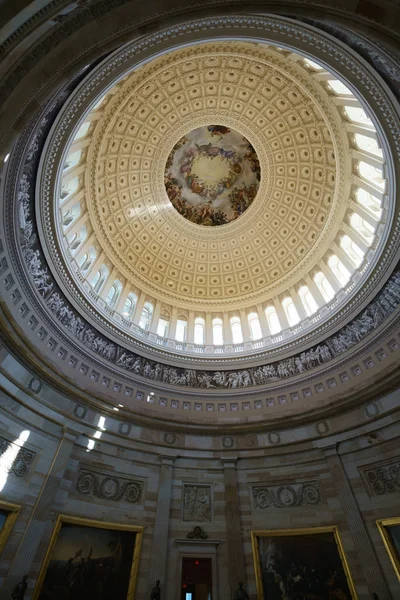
{"x":196,"y":503}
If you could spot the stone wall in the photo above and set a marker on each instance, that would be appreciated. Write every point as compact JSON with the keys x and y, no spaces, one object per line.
{"x":124,"y":481}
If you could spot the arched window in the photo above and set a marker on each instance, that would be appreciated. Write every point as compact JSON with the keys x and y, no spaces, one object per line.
{"x":362,"y":227}
{"x":87,"y":259}
{"x":369,"y":202}
{"x":76,"y":239}
{"x":339,"y":88}
{"x":82,"y":131}
{"x":368,"y":144}
{"x":338,"y":269}
{"x":114,"y":293}
{"x":307,"y":300}
{"x":218,"y":337}
{"x":236,"y":328}
{"x":353,"y":251}
{"x":100,"y":278}
{"x":146,"y":316}
{"x":181,"y":329}
{"x":313,"y":65}
{"x":358,"y":115}
{"x":72,"y":159}
{"x":99,"y":102}
{"x":69,"y":188}
{"x":254,"y":326}
{"x":290,"y":311}
{"x":70,"y":215}
{"x":371,"y":174}
{"x":199,"y":331}
{"x":163,"y":325}
{"x":324,"y":286}
{"x":129,"y":306}
{"x":272,"y":319}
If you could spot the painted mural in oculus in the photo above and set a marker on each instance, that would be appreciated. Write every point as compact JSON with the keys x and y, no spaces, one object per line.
{"x":212,"y":175}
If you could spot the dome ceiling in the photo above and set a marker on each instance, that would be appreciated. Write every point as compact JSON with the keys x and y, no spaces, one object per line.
{"x":261,"y":94}
{"x":92,"y":177}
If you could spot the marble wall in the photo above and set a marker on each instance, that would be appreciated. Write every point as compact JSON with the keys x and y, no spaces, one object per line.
{"x":228,"y":492}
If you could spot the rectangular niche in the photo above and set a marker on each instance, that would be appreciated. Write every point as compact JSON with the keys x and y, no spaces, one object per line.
{"x":196,"y":503}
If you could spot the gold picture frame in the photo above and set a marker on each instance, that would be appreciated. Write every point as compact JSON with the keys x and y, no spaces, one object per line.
{"x":13,"y":510}
{"x":97,"y":525}
{"x":285,"y":533}
{"x":394,"y":554}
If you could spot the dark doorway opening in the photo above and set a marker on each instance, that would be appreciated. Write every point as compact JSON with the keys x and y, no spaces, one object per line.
{"x":196,"y":583}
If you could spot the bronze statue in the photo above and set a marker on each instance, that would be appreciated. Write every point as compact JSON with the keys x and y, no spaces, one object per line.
{"x":156,"y":591}
{"x":240,"y":593}
{"x":20,"y":589}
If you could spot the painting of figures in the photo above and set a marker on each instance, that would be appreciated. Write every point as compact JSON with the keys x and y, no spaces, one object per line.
{"x":85,"y":561}
{"x":301,"y":565}
{"x":8,"y":516}
{"x":390,"y":532}
{"x":212,"y":175}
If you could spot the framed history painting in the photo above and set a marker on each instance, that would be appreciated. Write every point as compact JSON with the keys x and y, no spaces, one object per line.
{"x":8,"y":516}
{"x":301,"y":563}
{"x":90,"y":559}
{"x":390,"y":532}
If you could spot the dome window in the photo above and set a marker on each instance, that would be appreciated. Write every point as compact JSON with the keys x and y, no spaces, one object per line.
{"x":362,"y":227}
{"x":114,"y":293}
{"x":100,"y":278}
{"x":338,"y":269}
{"x":73,"y":159}
{"x":163,"y":326}
{"x":82,"y":131}
{"x":255,"y":327}
{"x":87,"y":259}
{"x":353,"y":251}
{"x":307,"y":300}
{"x":273,"y":320}
{"x":181,"y":329}
{"x":199,"y":331}
{"x":368,"y":144}
{"x":358,"y":115}
{"x":236,"y":328}
{"x":69,"y":188}
{"x":218,"y":338}
{"x":129,"y":306}
{"x":369,"y":202}
{"x":324,"y":286}
{"x":290,"y":311}
{"x":146,"y":316}
{"x":371,"y":174}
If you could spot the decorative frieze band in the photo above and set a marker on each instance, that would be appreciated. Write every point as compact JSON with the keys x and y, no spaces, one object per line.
{"x":15,"y":461}
{"x":109,"y":487}
{"x":382,"y":478}
{"x":367,"y":321}
{"x":286,"y":495}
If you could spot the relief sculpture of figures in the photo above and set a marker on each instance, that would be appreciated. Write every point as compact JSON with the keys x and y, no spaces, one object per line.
{"x":197,"y":503}
{"x":371,"y":317}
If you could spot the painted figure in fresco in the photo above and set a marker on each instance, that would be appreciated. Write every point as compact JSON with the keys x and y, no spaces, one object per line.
{"x":156,"y":591}
{"x":219,"y":130}
{"x":20,"y":589}
{"x":240,"y":593}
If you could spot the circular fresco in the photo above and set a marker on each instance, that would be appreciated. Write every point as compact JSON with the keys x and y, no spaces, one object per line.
{"x":212,"y":175}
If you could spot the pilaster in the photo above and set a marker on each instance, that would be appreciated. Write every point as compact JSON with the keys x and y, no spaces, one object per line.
{"x":372,"y":571}
{"x":234,"y":536}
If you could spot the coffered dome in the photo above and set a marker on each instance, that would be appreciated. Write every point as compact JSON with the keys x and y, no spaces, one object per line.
{"x":309,"y":222}
{"x":210,"y":225}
